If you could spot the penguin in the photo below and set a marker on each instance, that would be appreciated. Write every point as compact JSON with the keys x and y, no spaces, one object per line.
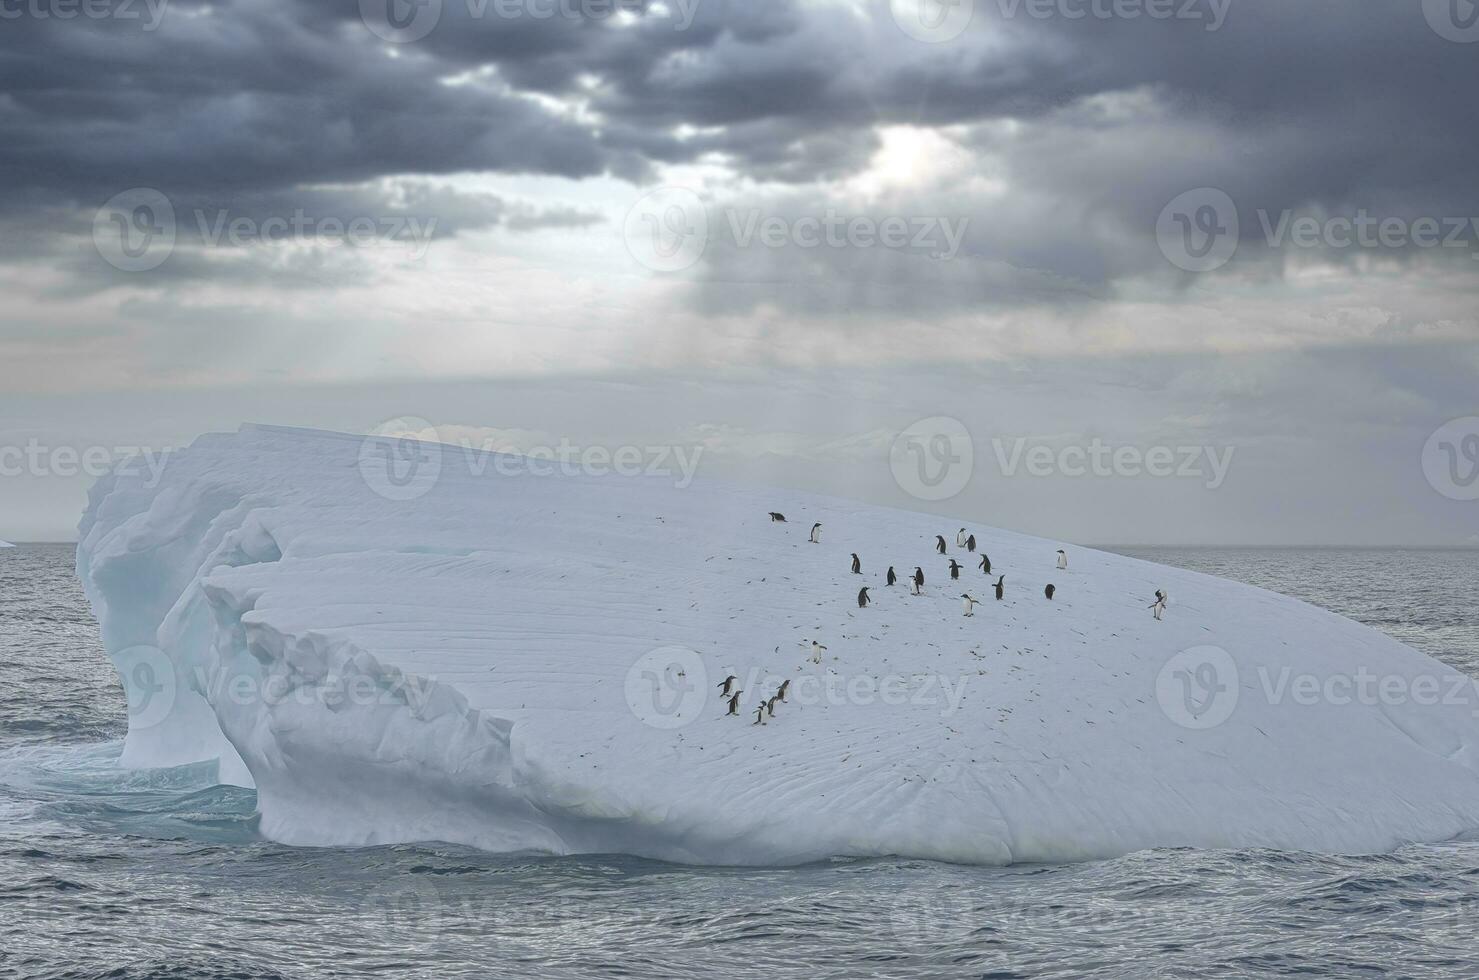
{"x":759,"y":714}
{"x":816,"y":652}
{"x":985,"y":563}
{"x":999,"y":588}
{"x":969,"y":603}
{"x":960,"y":538}
{"x":857,"y":566}
{"x":816,"y":533}
{"x":734,"y":703}
{"x":1049,"y":591}
{"x":725,"y":687}
{"x":954,"y":570}
{"x":970,"y":543}
{"x":863,"y":598}
{"x":781,"y":691}
{"x":1062,"y":558}
{"x":892,"y":578}
{"x":770,"y":707}
{"x":777,"y":518}
{"x":940,"y":543}
{"x":918,"y":579}
{"x":1159,"y":606}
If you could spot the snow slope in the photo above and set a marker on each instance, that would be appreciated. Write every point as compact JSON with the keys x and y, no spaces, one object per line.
{"x":6,"y":544}
{"x":476,"y":665}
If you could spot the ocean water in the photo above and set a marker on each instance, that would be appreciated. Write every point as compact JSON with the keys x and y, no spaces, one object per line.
{"x":112,"y":874}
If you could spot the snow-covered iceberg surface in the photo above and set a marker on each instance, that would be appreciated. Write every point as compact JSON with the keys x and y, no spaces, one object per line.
{"x":6,"y":544}
{"x":399,"y":642}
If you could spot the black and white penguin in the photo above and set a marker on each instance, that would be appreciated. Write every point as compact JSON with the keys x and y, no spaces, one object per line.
{"x":777,"y":518}
{"x":734,"y":703}
{"x":999,"y":588}
{"x":770,"y":707}
{"x":726,"y":686}
{"x":960,"y":538}
{"x":940,"y":543}
{"x":892,"y":578}
{"x":1049,"y":591}
{"x":986,"y":563}
{"x":918,"y":578}
{"x":785,"y":686}
{"x":863,"y":598}
{"x":857,"y":566}
{"x":954,"y":570}
{"x":816,"y":652}
{"x":969,"y":603}
{"x":970,"y":543}
{"x":816,"y":533}
{"x":1159,"y":606}
{"x":1062,"y":558}
{"x":759,"y":714}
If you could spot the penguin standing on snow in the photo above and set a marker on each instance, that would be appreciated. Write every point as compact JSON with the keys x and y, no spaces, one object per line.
{"x":970,"y":543}
{"x":960,"y":538}
{"x":999,"y":588}
{"x":918,"y":579}
{"x":863,"y":598}
{"x":892,"y":578}
{"x":940,"y":543}
{"x":777,"y":517}
{"x":781,"y":692}
{"x":969,"y":603}
{"x":986,"y":563}
{"x":857,"y":566}
{"x":734,"y":703}
{"x":816,"y":652}
{"x":1159,"y":606}
{"x":759,"y":714}
{"x":954,"y":570}
{"x":726,"y":686}
{"x":816,"y":533}
{"x":1049,"y":591}
{"x":1062,"y":558}
{"x":770,"y":707}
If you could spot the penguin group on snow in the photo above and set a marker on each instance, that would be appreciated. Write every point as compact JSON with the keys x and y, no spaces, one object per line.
{"x":963,"y":539}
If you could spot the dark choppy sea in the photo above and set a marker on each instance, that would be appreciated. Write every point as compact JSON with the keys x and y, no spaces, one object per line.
{"x":111,"y":874}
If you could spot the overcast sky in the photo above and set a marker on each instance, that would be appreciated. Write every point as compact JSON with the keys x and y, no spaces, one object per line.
{"x":809,"y":238}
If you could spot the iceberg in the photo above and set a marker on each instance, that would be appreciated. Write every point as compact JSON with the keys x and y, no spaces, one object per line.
{"x":6,"y":544}
{"x":398,"y":641}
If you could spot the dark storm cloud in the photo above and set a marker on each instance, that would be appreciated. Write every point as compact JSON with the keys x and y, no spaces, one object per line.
{"x":1321,"y":103}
